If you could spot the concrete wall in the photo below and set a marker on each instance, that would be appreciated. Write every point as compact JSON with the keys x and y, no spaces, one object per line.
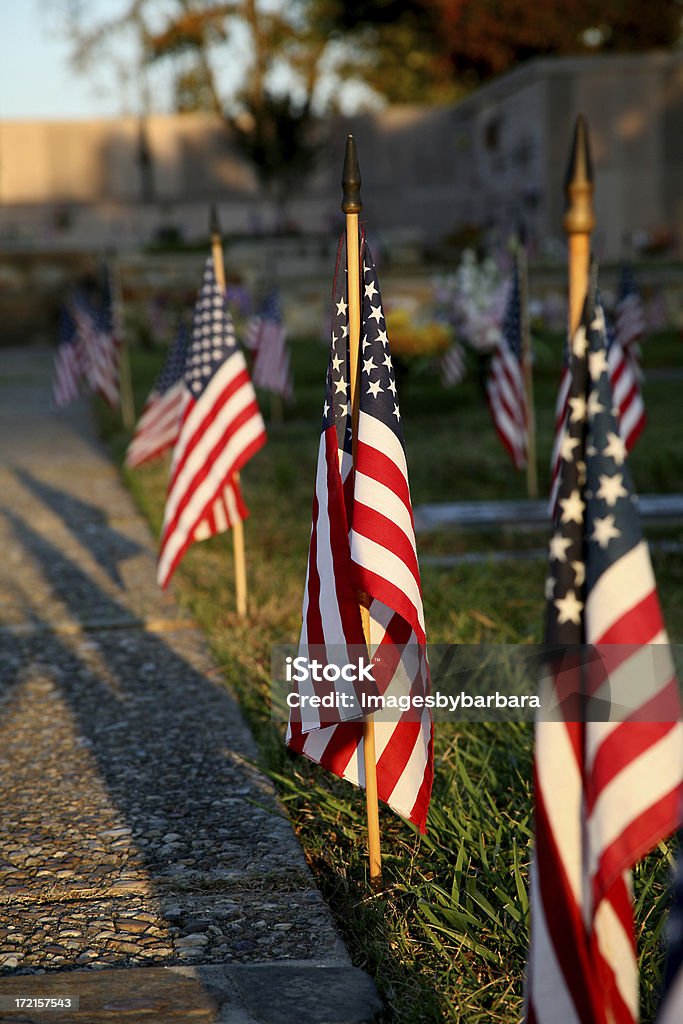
{"x":493,"y":161}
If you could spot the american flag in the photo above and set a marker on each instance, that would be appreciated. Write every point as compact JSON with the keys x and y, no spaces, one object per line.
{"x":629,"y":313}
{"x":606,"y":791}
{"x":267,"y":337}
{"x":67,"y":364}
{"x":363,"y":543}
{"x":671,"y":1006}
{"x":158,"y":426}
{"x":452,"y":365}
{"x":98,"y":343}
{"x":505,"y":382}
{"x":221,"y":429}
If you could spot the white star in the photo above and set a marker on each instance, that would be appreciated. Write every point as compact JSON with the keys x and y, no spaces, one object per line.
{"x":397,"y":413}
{"x":615,"y":448}
{"x":558,"y":547}
{"x":382,"y":336}
{"x":344,"y":409}
{"x":568,"y":608}
{"x":336,"y":363}
{"x":341,"y":386}
{"x":365,"y":342}
{"x":580,"y":343}
{"x":572,"y":508}
{"x":376,"y":313}
{"x":612,"y":488}
{"x":387,"y":360}
{"x":392,"y":387}
{"x":374,"y":389}
{"x":579,"y":573}
{"x":369,"y":364}
{"x":597,"y":364}
{"x":605,"y":531}
{"x":345,"y":330}
{"x":341,"y":307}
{"x":598,"y":323}
{"x":567,"y":447}
{"x":326,"y":409}
{"x":335,"y":339}
{"x":578,"y":409}
{"x":594,"y":406}
{"x":370,"y":290}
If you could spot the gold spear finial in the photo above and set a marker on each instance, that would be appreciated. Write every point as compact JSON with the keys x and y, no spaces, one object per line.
{"x":579,"y":217}
{"x":351,"y":200}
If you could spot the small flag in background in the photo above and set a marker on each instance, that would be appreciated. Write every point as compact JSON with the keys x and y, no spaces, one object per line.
{"x":606,"y":791}
{"x":629,"y":314}
{"x":67,"y":364}
{"x":671,"y":1006}
{"x":452,"y":365}
{"x":98,"y":346}
{"x":363,"y":542}
{"x":266,"y":335}
{"x":624,"y":373}
{"x":221,"y":429}
{"x":505,"y":383}
{"x":159,"y":424}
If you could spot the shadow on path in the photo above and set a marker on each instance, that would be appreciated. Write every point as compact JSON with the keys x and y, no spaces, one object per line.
{"x":87,"y":522}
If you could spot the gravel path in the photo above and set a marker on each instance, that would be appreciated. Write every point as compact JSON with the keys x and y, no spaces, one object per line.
{"x":134,"y":829}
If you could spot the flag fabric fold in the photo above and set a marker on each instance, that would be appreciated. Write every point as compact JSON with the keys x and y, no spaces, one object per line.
{"x":606,"y":791}
{"x":505,"y":388}
{"x":363,"y":549}
{"x":159,"y":423}
{"x":220,"y":430}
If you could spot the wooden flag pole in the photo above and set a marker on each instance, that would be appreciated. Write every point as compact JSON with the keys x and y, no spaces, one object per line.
{"x":238,"y":525}
{"x":528,"y":371}
{"x":351,"y":206}
{"x":579,"y":220}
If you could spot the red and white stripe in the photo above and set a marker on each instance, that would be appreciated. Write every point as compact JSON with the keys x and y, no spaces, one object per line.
{"x":624,"y":372}
{"x":219,"y":433}
{"x":331,"y":618}
{"x":507,"y":401}
{"x":158,"y":426}
{"x":99,"y":356}
{"x":607,"y":793}
{"x":67,"y":374}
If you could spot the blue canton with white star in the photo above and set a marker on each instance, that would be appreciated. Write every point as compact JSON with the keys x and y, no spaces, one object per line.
{"x":612,"y":521}
{"x":271,"y":308}
{"x":596,"y":521}
{"x":173,"y":368}
{"x":377,"y":380}
{"x":213,"y":335}
{"x":512,"y":321}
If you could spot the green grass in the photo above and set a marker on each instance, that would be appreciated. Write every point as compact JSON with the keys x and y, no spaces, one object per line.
{"x":446,"y":936}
